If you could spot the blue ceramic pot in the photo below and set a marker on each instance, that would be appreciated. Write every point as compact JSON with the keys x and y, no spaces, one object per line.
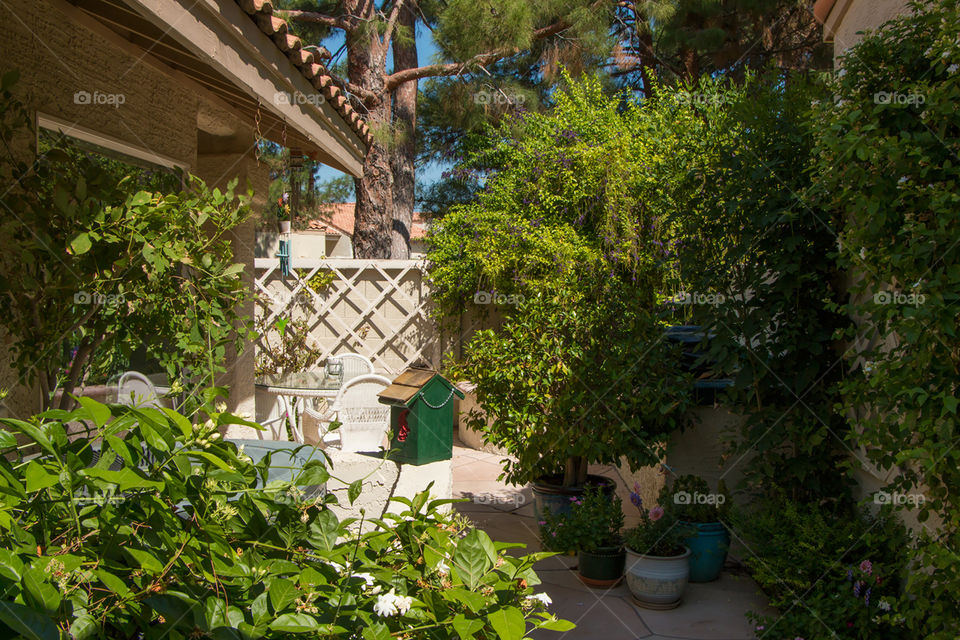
{"x":708,"y":550}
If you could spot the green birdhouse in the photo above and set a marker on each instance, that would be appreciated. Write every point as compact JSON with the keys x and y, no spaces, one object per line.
{"x":421,"y":416}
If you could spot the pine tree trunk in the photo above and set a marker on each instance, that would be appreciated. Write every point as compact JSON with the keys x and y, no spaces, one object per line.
{"x":374,"y":210}
{"x":404,"y":152}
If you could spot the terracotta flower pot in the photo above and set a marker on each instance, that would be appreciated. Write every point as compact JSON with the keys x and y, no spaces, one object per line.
{"x":657,"y":582}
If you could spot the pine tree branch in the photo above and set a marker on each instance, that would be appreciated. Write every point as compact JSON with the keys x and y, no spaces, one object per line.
{"x":345,"y":23}
{"x":391,"y":23}
{"x":394,"y":80}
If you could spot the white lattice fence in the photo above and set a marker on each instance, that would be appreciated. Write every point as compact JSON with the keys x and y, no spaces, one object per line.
{"x":378,"y":308}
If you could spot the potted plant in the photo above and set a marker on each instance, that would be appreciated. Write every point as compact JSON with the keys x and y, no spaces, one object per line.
{"x":591,"y":528}
{"x":657,"y":568}
{"x":703,"y":513}
{"x":284,"y":214}
{"x":565,"y":382}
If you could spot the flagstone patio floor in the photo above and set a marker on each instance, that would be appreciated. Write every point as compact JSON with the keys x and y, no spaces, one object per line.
{"x":711,"y":611}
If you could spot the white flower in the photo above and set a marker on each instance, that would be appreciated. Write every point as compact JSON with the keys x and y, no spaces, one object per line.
{"x":884,"y":605}
{"x":903,"y":179}
{"x":366,"y":577}
{"x":442,"y":568}
{"x":390,"y":604}
{"x":863,"y":253}
{"x":542,"y":598}
{"x":928,"y":51}
{"x":953,"y":68}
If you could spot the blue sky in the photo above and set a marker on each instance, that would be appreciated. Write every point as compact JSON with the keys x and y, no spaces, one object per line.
{"x":427,"y":52}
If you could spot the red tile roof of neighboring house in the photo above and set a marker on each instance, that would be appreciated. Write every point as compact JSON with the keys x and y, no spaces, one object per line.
{"x":338,"y":217}
{"x":307,"y":61}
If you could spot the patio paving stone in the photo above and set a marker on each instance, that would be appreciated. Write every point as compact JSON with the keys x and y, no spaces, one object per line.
{"x":713,"y":611}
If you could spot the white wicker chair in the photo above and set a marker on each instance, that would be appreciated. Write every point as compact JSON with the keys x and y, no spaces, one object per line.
{"x":364,"y":421}
{"x":354,"y":365}
{"x":135,"y":389}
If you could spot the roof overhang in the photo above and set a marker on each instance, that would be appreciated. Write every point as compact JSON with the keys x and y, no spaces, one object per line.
{"x":830,"y":13}
{"x":222,"y":51}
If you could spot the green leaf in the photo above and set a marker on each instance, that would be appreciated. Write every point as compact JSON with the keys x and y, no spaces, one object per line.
{"x":83,"y":627}
{"x":140,"y":198}
{"x":471,"y":599}
{"x":558,"y":625}
{"x":11,"y":566}
{"x":233,"y":269}
{"x":39,"y":593}
{"x":353,"y":491}
{"x":31,"y":432}
{"x":473,"y":557}
{"x":80,"y":244}
{"x":144,"y":559}
{"x":112,"y":582}
{"x":508,"y":622}
{"x":294,"y":623}
{"x":282,"y":593}
{"x":38,"y":478}
{"x":185,"y":427}
{"x":314,"y":472}
{"x":125,"y":479}
{"x":324,"y":530}
{"x":465,"y":627}
{"x":120,"y":448}
{"x":377,"y":631}
{"x":99,"y":413}
{"x":7,"y":439}
{"x":259,"y":609}
{"x":27,"y":622}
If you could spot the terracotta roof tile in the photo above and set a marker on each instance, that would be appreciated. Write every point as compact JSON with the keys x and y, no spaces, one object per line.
{"x":307,"y":61}
{"x":338,"y":217}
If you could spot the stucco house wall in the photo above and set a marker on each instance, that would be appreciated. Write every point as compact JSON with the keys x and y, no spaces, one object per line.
{"x":844,"y":21}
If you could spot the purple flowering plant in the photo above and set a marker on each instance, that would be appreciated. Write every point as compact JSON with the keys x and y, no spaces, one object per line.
{"x":594,"y":519}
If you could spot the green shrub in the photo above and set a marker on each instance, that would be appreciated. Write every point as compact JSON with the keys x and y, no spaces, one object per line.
{"x":827,"y":570}
{"x":174,"y":533}
{"x":887,"y":161}
{"x":566,"y":382}
{"x":594,"y":520}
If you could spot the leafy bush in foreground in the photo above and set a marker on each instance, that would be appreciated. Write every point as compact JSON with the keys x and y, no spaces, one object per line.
{"x":188,"y":538}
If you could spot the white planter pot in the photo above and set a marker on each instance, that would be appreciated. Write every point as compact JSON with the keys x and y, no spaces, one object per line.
{"x":657,"y":582}
{"x":284,"y":226}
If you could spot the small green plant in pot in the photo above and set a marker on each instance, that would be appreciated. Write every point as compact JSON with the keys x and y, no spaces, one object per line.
{"x":591,"y":529}
{"x":657,"y":569}
{"x":703,"y":511}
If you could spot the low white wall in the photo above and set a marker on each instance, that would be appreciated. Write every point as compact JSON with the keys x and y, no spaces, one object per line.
{"x":382,"y":480}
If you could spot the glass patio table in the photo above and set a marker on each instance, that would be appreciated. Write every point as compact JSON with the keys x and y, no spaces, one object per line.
{"x":302,"y":385}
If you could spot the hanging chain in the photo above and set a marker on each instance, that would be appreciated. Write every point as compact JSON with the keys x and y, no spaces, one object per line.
{"x":257,"y":150}
{"x":441,"y":405}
